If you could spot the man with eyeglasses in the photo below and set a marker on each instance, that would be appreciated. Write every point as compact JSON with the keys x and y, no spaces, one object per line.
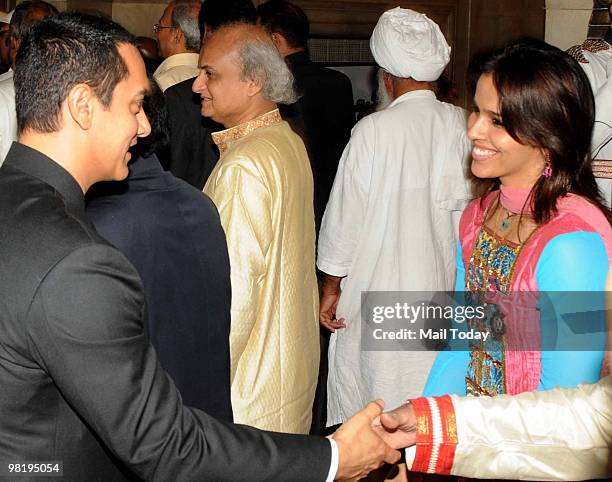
{"x":178,"y":36}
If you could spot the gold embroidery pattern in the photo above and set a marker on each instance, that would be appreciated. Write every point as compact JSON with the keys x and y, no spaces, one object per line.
{"x":451,"y":428}
{"x":423,"y":425}
{"x":602,"y":168}
{"x":595,"y":45}
{"x":221,"y":138}
{"x":589,"y":45}
{"x":576,"y":53}
{"x":492,"y":263}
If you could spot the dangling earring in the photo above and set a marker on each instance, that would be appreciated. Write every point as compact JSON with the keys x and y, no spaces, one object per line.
{"x":547,"y":172}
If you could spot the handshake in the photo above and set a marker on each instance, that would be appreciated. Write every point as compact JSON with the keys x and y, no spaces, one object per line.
{"x":370,"y":438}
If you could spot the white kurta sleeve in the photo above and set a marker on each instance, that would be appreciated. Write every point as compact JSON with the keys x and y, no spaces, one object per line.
{"x":346,"y":209}
{"x":560,"y":434}
{"x":602,"y":130}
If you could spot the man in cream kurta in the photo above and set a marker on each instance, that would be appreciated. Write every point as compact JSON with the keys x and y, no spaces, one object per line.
{"x":391,"y":221}
{"x":263,"y":189}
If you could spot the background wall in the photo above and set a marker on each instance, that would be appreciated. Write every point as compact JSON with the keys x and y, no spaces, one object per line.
{"x":567,"y":21}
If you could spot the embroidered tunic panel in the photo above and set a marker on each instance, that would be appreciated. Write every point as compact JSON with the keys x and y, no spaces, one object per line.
{"x":490,"y":269}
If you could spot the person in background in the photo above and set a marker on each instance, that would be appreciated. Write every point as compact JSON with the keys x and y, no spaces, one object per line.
{"x":540,"y":230}
{"x":262,"y":187}
{"x":178,"y":37}
{"x":390,"y":224}
{"x":193,"y":153}
{"x":323,"y":116}
{"x":5,"y":58}
{"x":149,"y":50}
{"x":595,"y":57}
{"x":25,"y":17}
{"x":172,"y":235}
{"x":217,"y":13}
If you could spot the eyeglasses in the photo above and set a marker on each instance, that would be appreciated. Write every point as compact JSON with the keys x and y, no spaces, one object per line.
{"x":157,"y":27}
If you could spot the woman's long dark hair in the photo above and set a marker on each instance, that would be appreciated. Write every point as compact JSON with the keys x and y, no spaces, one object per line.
{"x":546,"y":101}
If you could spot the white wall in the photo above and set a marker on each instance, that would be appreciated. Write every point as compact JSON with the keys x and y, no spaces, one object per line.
{"x":567,"y":22}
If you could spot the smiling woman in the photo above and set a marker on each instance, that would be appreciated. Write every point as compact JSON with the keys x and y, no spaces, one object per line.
{"x":541,"y":228}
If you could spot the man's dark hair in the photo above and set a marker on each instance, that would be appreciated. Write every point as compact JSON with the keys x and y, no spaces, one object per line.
{"x":61,"y":52}
{"x":25,"y":17}
{"x":216,"y":13}
{"x":287,"y":19}
{"x":158,"y":141}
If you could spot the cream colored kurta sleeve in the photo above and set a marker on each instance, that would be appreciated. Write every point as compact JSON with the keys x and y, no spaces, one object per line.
{"x":561,"y":434}
{"x":244,"y":207}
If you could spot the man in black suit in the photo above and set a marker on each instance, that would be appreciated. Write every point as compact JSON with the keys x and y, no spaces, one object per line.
{"x":172,"y":234}
{"x":80,"y":381}
{"x":323,"y":116}
{"x":193,"y":154}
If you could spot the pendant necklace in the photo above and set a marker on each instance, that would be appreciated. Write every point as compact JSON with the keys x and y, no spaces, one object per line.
{"x":505,"y":223}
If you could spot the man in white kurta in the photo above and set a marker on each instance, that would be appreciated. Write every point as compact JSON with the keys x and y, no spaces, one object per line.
{"x":595,"y":57}
{"x":390,"y":224}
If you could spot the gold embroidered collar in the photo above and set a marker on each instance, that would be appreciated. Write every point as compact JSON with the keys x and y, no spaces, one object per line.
{"x":221,"y":138}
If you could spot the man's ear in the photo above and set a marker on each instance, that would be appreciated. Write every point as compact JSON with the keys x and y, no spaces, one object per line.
{"x":277,"y":40}
{"x":80,"y":102}
{"x":254,"y":87}
{"x":281,"y":44}
{"x":178,"y":36}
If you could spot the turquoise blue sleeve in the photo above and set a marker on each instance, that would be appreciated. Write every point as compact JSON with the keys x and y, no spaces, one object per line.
{"x":448,"y":372}
{"x":577,"y":263}
{"x":459,"y":269}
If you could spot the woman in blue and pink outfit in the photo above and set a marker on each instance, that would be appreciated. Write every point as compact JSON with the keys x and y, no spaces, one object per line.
{"x":539,"y":230}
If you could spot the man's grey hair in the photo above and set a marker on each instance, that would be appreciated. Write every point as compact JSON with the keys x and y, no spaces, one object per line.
{"x":262,"y":62}
{"x":383,"y":98}
{"x":185,"y":17}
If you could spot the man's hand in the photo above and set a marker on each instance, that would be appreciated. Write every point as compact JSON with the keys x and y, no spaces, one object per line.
{"x":327,"y":313}
{"x":397,"y":427}
{"x":360,"y":449}
{"x":329,"y":301}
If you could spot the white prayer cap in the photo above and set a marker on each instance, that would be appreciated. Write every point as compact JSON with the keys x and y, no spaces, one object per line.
{"x":407,"y":44}
{"x":6,"y":17}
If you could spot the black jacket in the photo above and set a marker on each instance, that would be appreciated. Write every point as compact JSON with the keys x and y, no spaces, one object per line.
{"x":172,"y":234}
{"x":323,"y":117}
{"x":79,"y":380}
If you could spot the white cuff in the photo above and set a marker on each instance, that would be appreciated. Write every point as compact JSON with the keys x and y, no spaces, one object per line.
{"x":335,"y":460}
